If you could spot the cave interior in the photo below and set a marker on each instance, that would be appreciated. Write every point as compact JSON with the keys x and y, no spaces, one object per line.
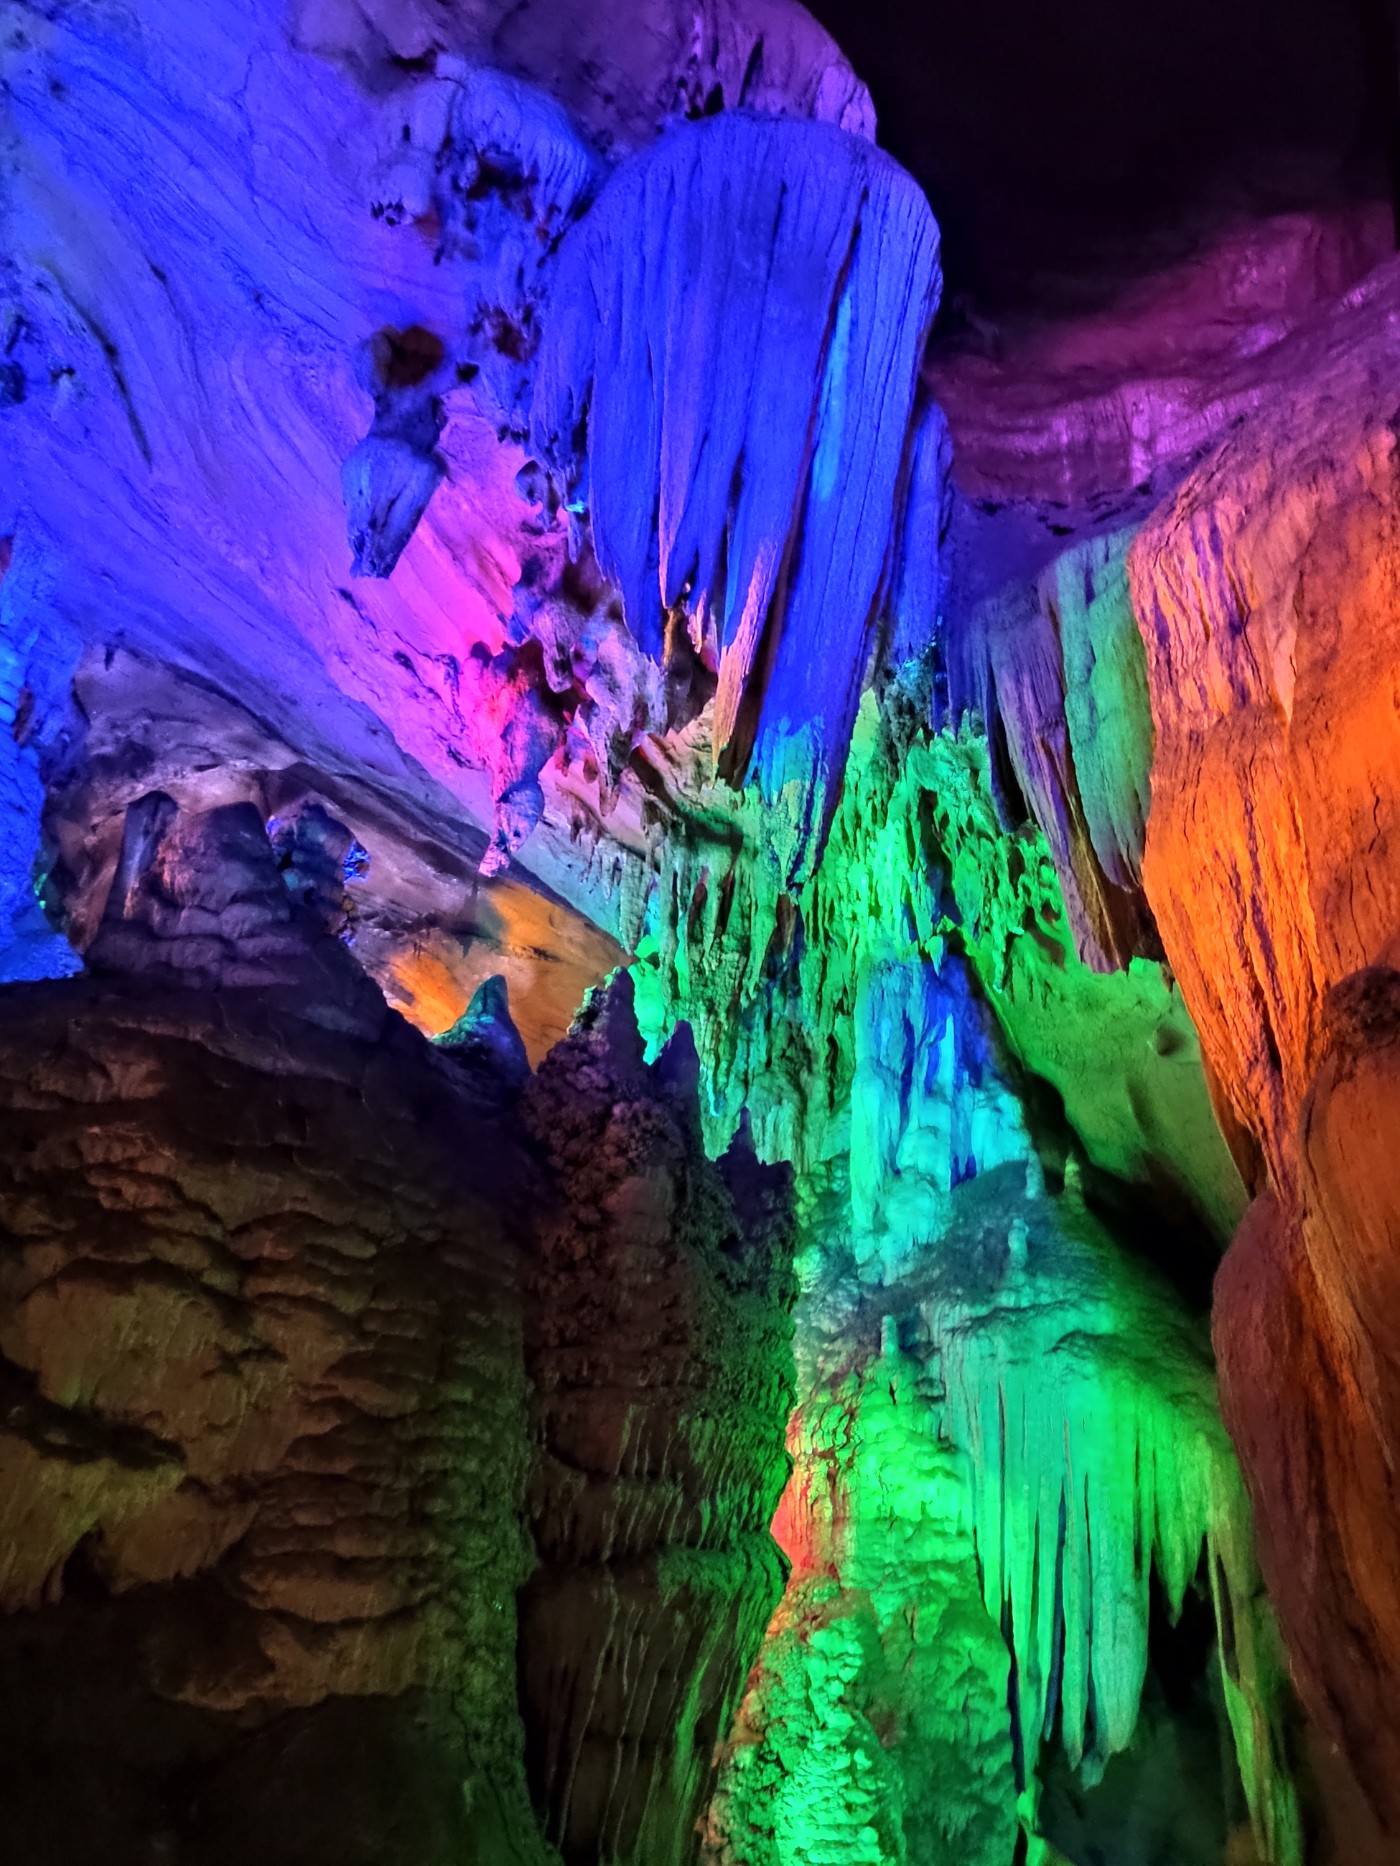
{"x":699,"y":933}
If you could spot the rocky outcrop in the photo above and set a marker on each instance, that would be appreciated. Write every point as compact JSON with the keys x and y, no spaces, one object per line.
{"x":264,"y":1446}
{"x":1266,"y":592}
{"x":399,"y":883}
{"x":353,"y":305}
{"x":659,"y":1348}
{"x":760,"y":494}
{"x":623,"y":76}
{"x":493,"y":447}
{"x":1061,"y":411}
{"x":265,"y":1339}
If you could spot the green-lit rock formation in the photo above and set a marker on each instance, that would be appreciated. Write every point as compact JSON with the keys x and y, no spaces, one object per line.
{"x":999,"y":1451}
{"x":784,"y":993}
{"x":1008,"y":1425}
{"x":661,"y":892}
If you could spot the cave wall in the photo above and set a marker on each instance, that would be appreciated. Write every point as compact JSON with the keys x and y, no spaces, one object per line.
{"x":658,"y":1346}
{"x":1266,"y":593}
{"x":265,"y":1444}
{"x":271,"y":1479}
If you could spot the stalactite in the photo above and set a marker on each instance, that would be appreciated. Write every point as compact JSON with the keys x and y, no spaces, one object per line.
{"x":916,"y":597}
{"x":1107,"y":709}
{"x":736,"y":326}
{"x":874,"y":1731}
{"x":917,"y":867}
{"x":1086,"y":1405}
{"x":1053,"y":671}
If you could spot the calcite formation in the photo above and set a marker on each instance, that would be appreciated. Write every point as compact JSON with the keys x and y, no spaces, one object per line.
{"x":265,"y":1445}
{"x":30,"y":947}
{"x":267,"y":1451}
{"x":874,"y":1726}
{"x":758,"y":493}
{"x":988,"y":1477}
{"x":920,"y":881}
{"x":1099,"y":1461}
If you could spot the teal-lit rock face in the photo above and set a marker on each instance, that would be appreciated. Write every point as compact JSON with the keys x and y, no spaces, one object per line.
{"x":31,"y":947}
{"x":925,"y":920}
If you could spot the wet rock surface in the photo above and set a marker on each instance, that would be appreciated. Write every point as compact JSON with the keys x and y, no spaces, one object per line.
{"x":493,"y":492}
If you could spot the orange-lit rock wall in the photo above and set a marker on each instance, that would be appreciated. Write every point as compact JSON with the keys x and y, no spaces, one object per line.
{"x":1268,"y":595}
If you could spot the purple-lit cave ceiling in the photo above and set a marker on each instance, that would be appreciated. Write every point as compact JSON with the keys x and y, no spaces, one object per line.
{"x":698,"y":934}
{"x":1067,"y":150}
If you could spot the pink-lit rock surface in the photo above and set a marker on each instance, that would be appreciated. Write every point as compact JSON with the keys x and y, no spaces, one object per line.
{"x":234,"y":292}
{"x":1066,"y":409}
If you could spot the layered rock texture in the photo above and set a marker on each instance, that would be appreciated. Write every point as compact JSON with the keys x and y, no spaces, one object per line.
{"x":659,"y":1349}
{"x":267,"y":1497}
{"x":1267,"y":592}
{"x":265,"y":1445}
{"x":760,"y":494}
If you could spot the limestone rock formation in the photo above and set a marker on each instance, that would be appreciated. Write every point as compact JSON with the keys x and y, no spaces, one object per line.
{"x":486,"y":1036}
{"x":991,"y":1480}
{"x":264,"y":1448}
{"x":659,"y":1349}
{"x":494,"y":497}
{"x":760,"y":495}
{"x":265,"y":1338}
{"x":29,"y":946}
{"x":622,"y":76}
{"x":394,"y":471}
{"x":1266,"y":592}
